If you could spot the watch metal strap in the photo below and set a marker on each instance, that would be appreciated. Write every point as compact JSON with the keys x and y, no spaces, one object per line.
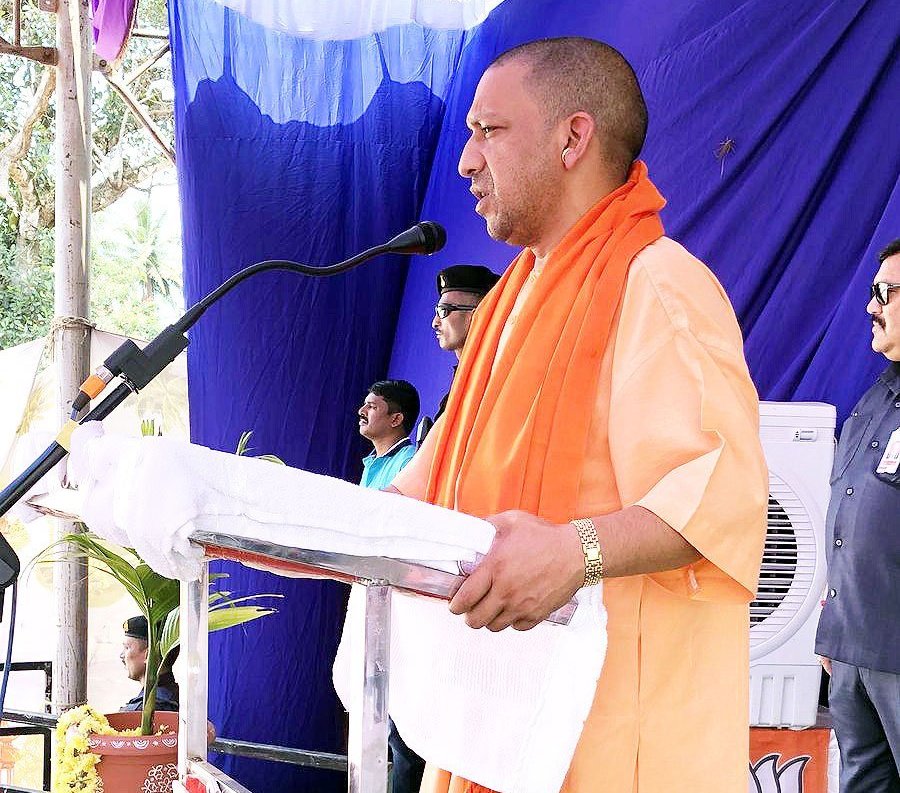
{"x":590,"y":545}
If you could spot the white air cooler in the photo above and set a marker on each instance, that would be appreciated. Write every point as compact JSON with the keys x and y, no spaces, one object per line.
{"x":798,"y":441}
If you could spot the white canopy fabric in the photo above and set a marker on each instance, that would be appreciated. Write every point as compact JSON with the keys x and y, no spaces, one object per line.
{"x":350,"y":19}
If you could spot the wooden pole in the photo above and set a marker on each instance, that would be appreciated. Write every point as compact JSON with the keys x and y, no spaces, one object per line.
{"x":71,"y":331}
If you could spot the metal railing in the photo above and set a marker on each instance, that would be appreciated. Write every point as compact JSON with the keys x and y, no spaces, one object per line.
{"x":44,"y":723}
{"x":41,"y":724}
{"x":281,"y":754}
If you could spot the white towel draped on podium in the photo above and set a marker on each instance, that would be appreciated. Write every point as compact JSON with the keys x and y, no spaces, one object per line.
{"x":504,"y":710}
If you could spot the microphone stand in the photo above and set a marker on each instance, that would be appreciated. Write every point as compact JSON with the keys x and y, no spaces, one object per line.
{"x":137,"y":367}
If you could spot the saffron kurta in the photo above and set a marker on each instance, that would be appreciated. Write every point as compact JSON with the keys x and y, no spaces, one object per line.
{"x":675,"y":430}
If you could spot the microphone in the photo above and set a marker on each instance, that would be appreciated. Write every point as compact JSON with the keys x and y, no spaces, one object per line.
{"x":426,"y":237}
{"x":136,"y":367}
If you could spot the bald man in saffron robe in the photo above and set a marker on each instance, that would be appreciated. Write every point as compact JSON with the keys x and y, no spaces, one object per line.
{"x":604,"y":382}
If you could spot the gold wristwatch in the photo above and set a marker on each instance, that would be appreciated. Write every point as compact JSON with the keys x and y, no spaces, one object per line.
{"x":590,"y":545}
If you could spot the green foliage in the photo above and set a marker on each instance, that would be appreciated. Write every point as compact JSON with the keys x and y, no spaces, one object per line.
{"x":135,"y":273}
{"x":157,"y":597}
{"x":130,"y":280}
{"x":243,"y":449}
{"x":26,"y":296}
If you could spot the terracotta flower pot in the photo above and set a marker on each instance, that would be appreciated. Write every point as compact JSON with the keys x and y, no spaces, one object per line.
{"x":137,"y":763}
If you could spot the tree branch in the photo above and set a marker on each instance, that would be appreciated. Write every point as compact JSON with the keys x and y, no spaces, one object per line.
{"x":110,"y":189}
{"x":18,"y":147}
{"x":12,"y":155}
{"x":147,"y":64}
{"x":141,"y":115}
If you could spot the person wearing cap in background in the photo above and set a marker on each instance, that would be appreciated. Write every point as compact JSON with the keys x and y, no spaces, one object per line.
{"x":460,"y":289}
{"x":134,"y":656}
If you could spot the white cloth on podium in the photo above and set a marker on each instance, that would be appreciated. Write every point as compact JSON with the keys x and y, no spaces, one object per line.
{"x":151,"y":494}
{"x":505,"y":710}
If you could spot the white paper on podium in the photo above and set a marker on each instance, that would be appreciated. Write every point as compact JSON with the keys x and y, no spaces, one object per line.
{"x":505,"y":710}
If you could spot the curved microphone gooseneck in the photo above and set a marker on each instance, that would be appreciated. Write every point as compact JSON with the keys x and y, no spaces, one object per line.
{"x":136,"y":367}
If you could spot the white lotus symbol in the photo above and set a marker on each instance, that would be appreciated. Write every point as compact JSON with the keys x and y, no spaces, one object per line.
{"x":766,"y":777}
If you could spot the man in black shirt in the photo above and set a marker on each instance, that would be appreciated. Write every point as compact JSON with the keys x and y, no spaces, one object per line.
{"x":859,"y":630}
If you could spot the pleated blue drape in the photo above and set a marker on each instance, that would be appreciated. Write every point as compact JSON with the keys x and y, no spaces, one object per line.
{"x":772,"y":134}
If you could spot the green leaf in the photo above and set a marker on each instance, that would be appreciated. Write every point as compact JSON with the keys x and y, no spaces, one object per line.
{"x":116,"y":563}
{"x":243,"y":443}
{"x":161,"y":594}
{"x":223,"y":616}
{"x":233,"y":601}
{"x":271,"y":458}
{"x":169,"y":635}
{"x":219,"y":619}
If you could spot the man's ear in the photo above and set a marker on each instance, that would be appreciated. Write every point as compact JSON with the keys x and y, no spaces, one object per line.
{"x":396,"y":419}
{"x":580,"y":129}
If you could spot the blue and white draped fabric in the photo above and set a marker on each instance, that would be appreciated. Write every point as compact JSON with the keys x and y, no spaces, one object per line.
{"x":304,"y":130}
{"x":312,"y":130}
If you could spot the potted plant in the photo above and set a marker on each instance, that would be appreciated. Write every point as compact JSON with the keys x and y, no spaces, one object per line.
{"x":142,"y":744}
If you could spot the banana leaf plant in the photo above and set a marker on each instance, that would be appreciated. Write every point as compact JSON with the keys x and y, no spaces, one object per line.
{"x":156,"y":596}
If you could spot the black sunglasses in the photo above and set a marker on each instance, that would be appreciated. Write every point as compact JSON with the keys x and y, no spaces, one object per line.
{"x":444,"y":310}
{"x":881,"y":291}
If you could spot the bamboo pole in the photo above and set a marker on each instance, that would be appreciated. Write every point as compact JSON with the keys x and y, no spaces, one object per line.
{"x":155,"y":58}
{"x":71,"y":331}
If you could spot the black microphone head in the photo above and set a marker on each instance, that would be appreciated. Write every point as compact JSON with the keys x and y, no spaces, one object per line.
{"x":435,"y":236}
{"x":426,"y":237}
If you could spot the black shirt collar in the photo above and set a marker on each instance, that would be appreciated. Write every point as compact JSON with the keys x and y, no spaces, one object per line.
{"x":891,"y":377}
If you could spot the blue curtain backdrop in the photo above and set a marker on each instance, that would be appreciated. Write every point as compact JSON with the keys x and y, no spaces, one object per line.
{"x":311,"y":135}
{"x":791,"y":213}
{"x":308,"y":150}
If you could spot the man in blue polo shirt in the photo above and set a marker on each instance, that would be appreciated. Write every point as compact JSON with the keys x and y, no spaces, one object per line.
{"x":859,"y":630}
{"x":386,"y":418}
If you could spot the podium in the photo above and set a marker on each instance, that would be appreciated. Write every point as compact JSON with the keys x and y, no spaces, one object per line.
{"x":367,"y":747}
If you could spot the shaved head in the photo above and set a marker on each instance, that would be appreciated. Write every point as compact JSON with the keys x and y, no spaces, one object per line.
{"x":572,"y":74}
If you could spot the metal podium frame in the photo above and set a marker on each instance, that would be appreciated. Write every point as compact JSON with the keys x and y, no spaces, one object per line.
{"x":367,"y":747}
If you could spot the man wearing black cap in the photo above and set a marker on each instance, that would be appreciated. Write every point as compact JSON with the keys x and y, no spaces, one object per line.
{"x":460,"y":290}
{"x":134,"y":656}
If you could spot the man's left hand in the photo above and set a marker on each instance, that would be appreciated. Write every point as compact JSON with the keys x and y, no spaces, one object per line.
{"x":533,"y":568}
